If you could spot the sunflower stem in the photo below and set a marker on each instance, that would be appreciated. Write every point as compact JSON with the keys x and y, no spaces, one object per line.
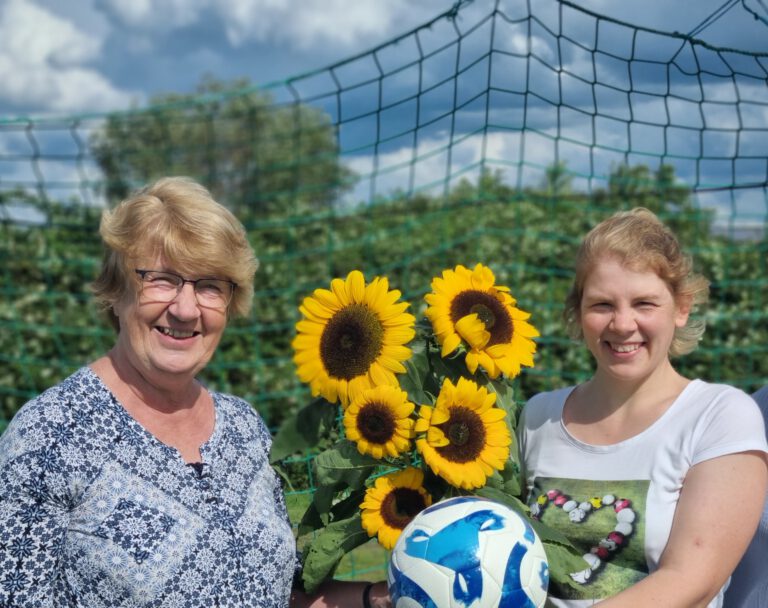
{"x":430,"y":369}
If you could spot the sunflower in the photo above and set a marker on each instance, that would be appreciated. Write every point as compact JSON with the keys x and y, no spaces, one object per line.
{"x":466,"y":306}
{"x":465,"y":436}
{"x":352,"y":337}
{"x":378,"y":420}
{"x":393,"y":501}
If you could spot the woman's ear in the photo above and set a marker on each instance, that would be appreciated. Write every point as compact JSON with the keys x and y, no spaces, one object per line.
{"x":684,"y":306}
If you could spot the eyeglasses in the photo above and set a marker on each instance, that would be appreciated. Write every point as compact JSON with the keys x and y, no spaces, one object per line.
{"x":161,"y":286}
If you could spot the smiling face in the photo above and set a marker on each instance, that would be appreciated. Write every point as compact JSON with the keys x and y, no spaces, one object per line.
{"x":628,"y":319}
{"x":168,"y":343}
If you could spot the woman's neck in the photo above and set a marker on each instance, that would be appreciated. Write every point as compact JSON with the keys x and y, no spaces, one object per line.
{"x":183,"y":420}
{"x":617,"y":392}
{"x":171,"y":395}
{"x":606,"y":410}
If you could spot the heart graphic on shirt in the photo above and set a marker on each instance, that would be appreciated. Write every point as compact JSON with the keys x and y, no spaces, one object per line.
{"x":579,"y":512}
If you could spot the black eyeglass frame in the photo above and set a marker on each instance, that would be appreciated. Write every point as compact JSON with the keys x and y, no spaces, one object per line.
{"x":142,"y":272}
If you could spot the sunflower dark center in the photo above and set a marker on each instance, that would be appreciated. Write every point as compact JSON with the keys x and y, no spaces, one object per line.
{"x":465,"y":432}
{"x":485,"y":314}
{"x":488,"y":309}
{"x":351,"y":342}
{"x":400,"y":506}
{"x":376,"y":422}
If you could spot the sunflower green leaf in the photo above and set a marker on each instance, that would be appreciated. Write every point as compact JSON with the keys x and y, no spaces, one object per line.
{"x":563,"y":560}
{"x":302,"y":430}
{"x":414,"y":380}
{"x":338,"y":469}
{"x":330,"y":545}
{"x":508,"y":479}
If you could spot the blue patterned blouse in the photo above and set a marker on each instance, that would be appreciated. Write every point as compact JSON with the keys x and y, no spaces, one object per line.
{"x":96,"y":512}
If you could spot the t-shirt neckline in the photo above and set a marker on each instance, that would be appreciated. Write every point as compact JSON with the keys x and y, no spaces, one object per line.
{"x":613,"y":447}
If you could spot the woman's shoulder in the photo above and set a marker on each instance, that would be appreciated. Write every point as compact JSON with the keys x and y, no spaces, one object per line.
{"x":547,"y":403}
{"x":555,"y":396}
{"x":235,"y":404}
{"x":231,"y":401}
{"x":718,"y":395}
{"x":53,"y":412}
{"x":240,"y":412}
{"x":56,"y":402}
{"x":720,"y":408}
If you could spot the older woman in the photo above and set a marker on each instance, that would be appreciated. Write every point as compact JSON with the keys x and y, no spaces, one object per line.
{"x":130,"y":483}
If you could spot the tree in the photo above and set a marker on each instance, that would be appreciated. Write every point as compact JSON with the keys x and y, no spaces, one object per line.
{"x":557,"y":181}
{"x":258,"y":157}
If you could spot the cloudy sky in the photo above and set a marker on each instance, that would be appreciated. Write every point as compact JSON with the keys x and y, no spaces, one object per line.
{"x":95,"y":55}
{"x":86,"y":57}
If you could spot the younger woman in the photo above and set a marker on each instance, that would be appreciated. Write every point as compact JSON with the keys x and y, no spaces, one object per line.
{"x":657,"y":478}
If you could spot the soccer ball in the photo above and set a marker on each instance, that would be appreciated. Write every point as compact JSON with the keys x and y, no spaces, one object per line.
{"x":468,"y":552}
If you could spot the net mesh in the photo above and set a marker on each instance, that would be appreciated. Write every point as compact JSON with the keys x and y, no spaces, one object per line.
{"x":499,"y":132}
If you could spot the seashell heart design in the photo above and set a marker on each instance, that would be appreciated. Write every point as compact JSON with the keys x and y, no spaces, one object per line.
{"x":578,"y":512}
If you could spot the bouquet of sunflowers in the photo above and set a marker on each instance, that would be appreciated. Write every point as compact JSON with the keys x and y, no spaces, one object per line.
{"x":426,"y":409}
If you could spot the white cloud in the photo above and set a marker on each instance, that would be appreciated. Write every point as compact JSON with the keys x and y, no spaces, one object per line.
{"x":158,"y":14}
{"x":309,"y":23}
{"x":33,"y":35}
{"x":43,"y":61}
{"x":428,"y":170}
{"x":302,"y":24}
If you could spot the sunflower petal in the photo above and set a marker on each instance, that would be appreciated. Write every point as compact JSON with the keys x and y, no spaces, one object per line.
{"x":450,"y":344}
{"x":472,"y":361}
{"x":375,"y":291}
{"x":473,"y":331}
{"x":436,"y":437}
{"x":312,"y":308}
{"x":494,"y":414}
{"x":339,"y":289}
{"x":355,"y":285}
{"x":391,"y":364}
{"x":439,"y":416}
{"x":326,"y":298}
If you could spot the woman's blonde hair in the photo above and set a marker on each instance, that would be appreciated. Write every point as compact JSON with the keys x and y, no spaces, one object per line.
{"x":641,"y":242}
{"x":177,"y":219}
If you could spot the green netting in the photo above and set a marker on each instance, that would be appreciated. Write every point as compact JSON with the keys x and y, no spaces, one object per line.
{"x":497,"y":133}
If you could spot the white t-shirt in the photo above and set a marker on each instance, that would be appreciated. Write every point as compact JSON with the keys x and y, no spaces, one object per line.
{"x":617,"y":502}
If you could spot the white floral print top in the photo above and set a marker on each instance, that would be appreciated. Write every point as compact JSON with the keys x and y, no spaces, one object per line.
{"x":96,"y":512}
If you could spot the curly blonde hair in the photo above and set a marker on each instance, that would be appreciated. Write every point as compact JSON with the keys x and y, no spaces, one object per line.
{"x":641,"y":242}
{"x":177,"y":219}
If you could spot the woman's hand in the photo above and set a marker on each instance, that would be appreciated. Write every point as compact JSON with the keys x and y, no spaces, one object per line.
{"x":344,"y":594}
{"x":378,"y":596}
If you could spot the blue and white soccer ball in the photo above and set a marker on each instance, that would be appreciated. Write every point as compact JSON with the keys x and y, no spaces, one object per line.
{"x":468,"y":552}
